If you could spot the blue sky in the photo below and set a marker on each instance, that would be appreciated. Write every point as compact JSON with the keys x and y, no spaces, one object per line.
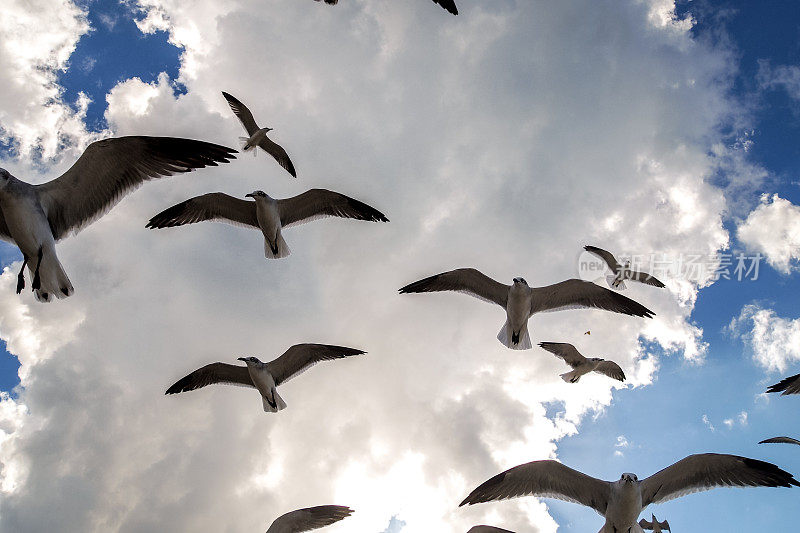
{"x":662,"y":422}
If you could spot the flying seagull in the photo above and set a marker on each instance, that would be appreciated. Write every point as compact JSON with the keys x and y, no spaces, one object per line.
{"x":622,"y":272}
{"x":265,"y":377}
{"x":257,"y":137}
{"x":654,"y":524}
{"x":35,"y":217}
{"x":309,"y":518}
{"x":620,"y":502}
{"x":521,"y":301}
{"x":487,"y":529}
{"x":781,"y":440}
{"x":449,"y":5}
{"x":580,"y":364}
{"x":266,"y":213}
{"x":790,"y":385}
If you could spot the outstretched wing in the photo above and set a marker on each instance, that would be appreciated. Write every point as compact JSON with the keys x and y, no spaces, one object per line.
{"x":606,"y":256}
{"x":565,"y":351}
{"x":468,"y":280}
{"x":647,"y":279}
{"x":301,"y":357}
{"x":276,"y":150}
{"x":309,"y":518}
{"x":487,"y":529}
{"x":244,"y":114}
{"x":210,"y":374}
{"x":611,"y":369}
{"x":211,"y":206}
{"x":790,"y":385}
{"x":574,"y":293}
{"x":318,"y":203}
{"x":549,"y":479}
{"x":449,"y":5}
{"x":706,"y":471}
{"x":780,"y":440}
{"x":111,"y":168}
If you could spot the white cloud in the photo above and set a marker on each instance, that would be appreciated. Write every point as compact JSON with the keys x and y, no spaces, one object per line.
{"x":505,"y":139}
{"x":707,"y":422}
{"x":773,"y":229}
{"x":775,"y":340}
{"x":782,"y":76}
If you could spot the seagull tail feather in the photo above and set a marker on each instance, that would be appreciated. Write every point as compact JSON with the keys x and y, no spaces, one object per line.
{"x":610,"y":280}
{"x":570,"y":377}
{"x":278,"y":405}
{"x":521,"y":341}
{"x":282,"y":249}
{"x":53,"y":279}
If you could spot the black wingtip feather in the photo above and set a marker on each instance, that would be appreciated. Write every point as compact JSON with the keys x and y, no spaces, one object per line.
{"x":783,"y":384}
{"x":478,"y":495}
{"x":774,"y":475}
{"x":418,"y":286}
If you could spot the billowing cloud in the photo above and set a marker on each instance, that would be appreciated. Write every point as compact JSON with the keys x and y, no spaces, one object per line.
{"x":786,"y":77}
{"x":775,"y":340}
{"x":505,"y":138}
{"x":773,"y":229}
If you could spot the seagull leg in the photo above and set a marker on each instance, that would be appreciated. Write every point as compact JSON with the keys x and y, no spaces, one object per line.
{"x":37,"y":282}
{"x":21,"y":277}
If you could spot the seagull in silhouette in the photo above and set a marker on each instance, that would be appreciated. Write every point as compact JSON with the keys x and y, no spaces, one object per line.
{"x":487,"y":529}
{"x":654,"y":524}
{"x":309,"y":518}
{"x":620,"y":502}
{"x":257,"y":137}
{"x":265,"y":377}
{"x":790,"y":385}
{"x":582,"y":365}
{"x":35,"y":217}
{"x":267,"y":214}
{"x":521,"y":301}
{"x":622,"y":272}
{"x":449,"y":5}
{"x":781,"y":440}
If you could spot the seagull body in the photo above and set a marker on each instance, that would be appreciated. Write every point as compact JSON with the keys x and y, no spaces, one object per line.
{"x":34,"y":217}
{"x":621,"y":501}
{"x":268,"y":214}
{"x":257,"y":136}
{"x":582,"y":365}
{"x":521,"y":301}
{"x":781,"y":440}
{"x":654,"y":524}
{"x":309,"y":518}
{"x":622,"y":272}
{"x":264,"y":377}
{"x":449,"y":5}
{"x":790,"y":385}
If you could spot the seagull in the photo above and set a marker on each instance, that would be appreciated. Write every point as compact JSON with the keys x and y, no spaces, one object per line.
{"x":781,"y":440}
{"x":35,"y":217}
{"x":580,"y":364}
{"x":268,"y":214}
{"x":449,"y":5}
{"x":258,"y":136}
{"x":265,"y":377}
{"x":654,"y":524}
{"x":521,"y":301}
{"x":790,"y":385}
{"x":309,"y":518}
{"x":622,"y":272}
{"x":620,"y":502}
{"x":487,"y":529}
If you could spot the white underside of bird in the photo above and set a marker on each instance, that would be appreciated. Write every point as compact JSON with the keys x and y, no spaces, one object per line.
{"x":269,"y":221}
{"x":514,"y":333}
{"x":265,"y":384}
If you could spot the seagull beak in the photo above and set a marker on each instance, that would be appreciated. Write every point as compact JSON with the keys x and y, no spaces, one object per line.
{"x":251,"y":195}
{"x":241,"y":359}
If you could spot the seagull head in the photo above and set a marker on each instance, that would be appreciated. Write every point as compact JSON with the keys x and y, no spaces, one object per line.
{"x":249,"y":360}
{"x":629,"y":478}
{"x":256,"y":194}
{"x":521,"y":280}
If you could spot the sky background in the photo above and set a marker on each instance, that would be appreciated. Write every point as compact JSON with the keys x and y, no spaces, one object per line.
{"x":505,"y":139}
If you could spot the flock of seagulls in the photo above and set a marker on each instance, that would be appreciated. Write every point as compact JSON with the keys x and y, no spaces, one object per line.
{"x":35,"y":217}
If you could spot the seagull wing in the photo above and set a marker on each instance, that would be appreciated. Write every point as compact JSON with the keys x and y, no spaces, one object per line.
{"x":244,"y":114}
{"x":449,"y":5}
{"x":210,"y":374}
{"x":301,"y":357}
{"x":706,"y":471}
{"x":309,"y":518}
{"x":781,"y":440}
{"x":574,"y":293}
{"x":606,"y":256}
{"x":644,"y":524}
{"x":565,"y":351}
{"x":211,"y":206}
{"x":111,"y":168}
{"x":611,"y":369}
{"x":276,"y":150}
{"x":331,"y":2}
{"x":468,"y":280}
{"x":647,"y":279}
{"x":549,"y":479}
{"x":318,"y":203}
{"x":790,"y":385}
{"x":487,"y":529}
